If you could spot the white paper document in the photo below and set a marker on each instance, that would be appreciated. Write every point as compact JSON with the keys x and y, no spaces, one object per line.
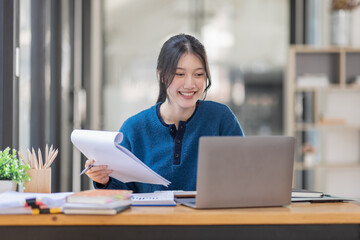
{"x":13,"y":199}
{"x":104,"y":147}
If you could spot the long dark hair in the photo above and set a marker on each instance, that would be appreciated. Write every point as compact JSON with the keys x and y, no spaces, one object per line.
{"x":169,"y":56}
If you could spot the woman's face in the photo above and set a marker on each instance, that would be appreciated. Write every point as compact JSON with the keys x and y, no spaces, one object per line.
{"x":189,"y":82}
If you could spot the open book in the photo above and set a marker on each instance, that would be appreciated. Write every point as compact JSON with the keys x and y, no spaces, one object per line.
{"x":163,"y":198}
{"x":104,"y":147}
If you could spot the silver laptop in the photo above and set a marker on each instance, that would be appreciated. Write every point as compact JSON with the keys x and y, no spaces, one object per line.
{"x":243,"y":172}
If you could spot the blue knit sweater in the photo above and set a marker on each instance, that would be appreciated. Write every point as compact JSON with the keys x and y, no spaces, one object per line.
{"x":171,"y":152}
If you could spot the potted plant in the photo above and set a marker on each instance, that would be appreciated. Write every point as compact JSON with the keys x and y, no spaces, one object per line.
{"x":12,"y":170}
{"x":341,"y":11}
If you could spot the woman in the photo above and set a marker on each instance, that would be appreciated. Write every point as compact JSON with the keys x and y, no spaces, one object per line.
{"x":165,"y":137}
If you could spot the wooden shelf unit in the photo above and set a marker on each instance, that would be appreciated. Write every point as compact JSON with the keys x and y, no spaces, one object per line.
{"x":310,"y":109}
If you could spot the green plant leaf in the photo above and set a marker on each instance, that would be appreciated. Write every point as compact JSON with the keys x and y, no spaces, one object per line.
{"x":11,"y":168}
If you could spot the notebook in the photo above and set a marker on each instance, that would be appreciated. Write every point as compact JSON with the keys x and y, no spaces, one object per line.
{"x":163,"y":198}
{"x":96,"y":211}
{"x":243,"y":172}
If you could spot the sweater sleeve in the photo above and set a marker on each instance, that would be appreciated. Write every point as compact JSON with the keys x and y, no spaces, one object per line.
{"x":115,"y":184}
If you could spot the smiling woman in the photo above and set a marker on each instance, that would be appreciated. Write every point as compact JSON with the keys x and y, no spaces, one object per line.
{"x":184,"y":77}
{"x":186,"y":88}
{"x":165,"y":136}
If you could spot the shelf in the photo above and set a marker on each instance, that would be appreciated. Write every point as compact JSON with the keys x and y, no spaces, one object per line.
{"x":322,"y":94}
{"x":333,"y":87}
{"x":329,"y":49}
{"x":301,"y":166}
{"x":309,"y":126}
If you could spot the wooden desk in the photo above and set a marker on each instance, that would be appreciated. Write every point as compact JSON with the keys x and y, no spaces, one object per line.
{"x":297,"y":221}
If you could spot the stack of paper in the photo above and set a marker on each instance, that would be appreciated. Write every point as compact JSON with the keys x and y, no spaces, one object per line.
{"x":15,"y":202}
{"x":104,"y":147}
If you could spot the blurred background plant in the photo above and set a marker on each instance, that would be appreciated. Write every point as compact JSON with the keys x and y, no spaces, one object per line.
{"x":11,"y":168}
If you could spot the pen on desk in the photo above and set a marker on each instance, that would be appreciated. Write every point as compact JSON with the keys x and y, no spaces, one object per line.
{"x":86,"y":169}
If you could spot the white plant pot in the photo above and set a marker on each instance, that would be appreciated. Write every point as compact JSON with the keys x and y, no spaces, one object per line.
{"x":7,"y":185}
{"x":341,"y":27}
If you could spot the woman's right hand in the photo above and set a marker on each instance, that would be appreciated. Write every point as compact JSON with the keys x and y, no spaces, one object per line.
{"x":98,"y":173}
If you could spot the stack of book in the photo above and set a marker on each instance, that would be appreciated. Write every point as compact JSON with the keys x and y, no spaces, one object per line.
{"x":303,"y":193}
{"x":98,"y":202}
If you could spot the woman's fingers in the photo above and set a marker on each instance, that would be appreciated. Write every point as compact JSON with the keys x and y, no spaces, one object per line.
{"x":104,"y":180}
{"x":89,"y":162}
{"x":99,"y":174}
{"x":97,"y":168}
